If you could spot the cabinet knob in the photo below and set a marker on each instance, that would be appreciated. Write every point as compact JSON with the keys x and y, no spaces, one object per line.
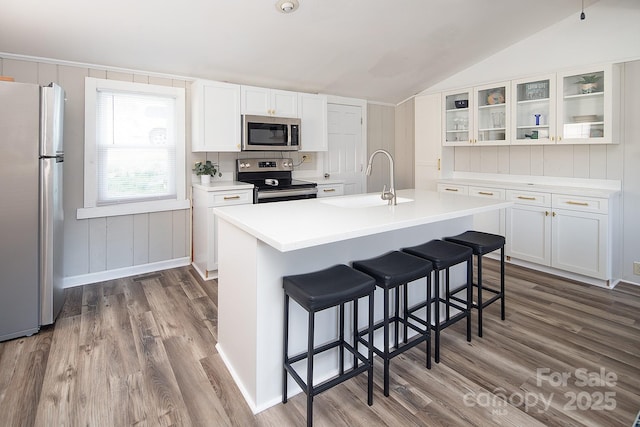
{"x":559,"y":138}
{"x":552,"y":138}
{"x":546,"y":213}
{"x":553,"y":214}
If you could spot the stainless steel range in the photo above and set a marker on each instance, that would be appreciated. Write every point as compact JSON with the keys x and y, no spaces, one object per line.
{"x":272,"y":180}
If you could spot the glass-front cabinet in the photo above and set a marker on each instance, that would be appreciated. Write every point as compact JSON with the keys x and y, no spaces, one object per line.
{"x":580,"y":106}
{"x":491,"y":114}
{"x":585,"y":106}
{"x":534,"y":110}
{"x":457,"y":118}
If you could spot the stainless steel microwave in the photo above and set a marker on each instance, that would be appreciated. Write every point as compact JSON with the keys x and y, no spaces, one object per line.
{"x":267,"y":133}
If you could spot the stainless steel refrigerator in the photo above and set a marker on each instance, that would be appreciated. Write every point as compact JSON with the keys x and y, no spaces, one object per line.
{"x":31,"y":213}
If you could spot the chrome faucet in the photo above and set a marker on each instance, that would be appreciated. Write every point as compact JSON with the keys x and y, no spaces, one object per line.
{"x":386,"y":195}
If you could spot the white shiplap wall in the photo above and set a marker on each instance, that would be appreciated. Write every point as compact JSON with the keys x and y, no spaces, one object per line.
{"x":101,"y":248}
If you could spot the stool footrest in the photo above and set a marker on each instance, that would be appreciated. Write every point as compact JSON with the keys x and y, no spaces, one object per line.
{"x":485,"y":303}
{"x":400,"y":320}
{"x":325,"y":385}
{"x":402,"y":347}
{"x":453,"y":319}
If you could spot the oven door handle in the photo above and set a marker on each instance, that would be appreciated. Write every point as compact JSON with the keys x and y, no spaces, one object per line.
{"x":286,"y":193}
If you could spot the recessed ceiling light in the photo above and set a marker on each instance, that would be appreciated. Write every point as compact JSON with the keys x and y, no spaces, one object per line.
{"x":287,"y":6}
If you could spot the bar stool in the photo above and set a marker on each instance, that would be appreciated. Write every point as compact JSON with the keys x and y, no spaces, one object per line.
{"x":444,"y":255}
{"x":483,"y":243}
{"x":395,"y":270}
{"x":317,"y":291}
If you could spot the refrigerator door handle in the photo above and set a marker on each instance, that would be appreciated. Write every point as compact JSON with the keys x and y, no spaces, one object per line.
{"x":59,"y":158}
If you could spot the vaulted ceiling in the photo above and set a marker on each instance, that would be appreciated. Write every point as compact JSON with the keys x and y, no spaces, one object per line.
{"x":377,"y":50}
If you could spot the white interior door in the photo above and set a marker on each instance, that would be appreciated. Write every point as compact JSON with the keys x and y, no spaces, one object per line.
{"x":345,"y":158}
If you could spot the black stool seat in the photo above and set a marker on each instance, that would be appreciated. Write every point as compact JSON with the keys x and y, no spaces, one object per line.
{"x":395,"y":270}
{"x":481,"y":243}
{"x":328,"y":288}
{"x":444,"y":255}
{"x":332,"y":287}
{"x":441,"y":254}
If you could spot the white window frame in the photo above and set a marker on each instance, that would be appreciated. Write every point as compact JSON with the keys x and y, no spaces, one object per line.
{"x":90,"y":209}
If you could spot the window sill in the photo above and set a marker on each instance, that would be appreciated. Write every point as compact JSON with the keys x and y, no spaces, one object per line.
{"x":133,"y":208}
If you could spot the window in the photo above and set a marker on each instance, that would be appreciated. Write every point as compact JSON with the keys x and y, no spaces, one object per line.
{"x":134,"y":148}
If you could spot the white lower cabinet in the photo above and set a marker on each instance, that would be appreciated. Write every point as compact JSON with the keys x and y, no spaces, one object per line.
{"x":489,"y":222}
{"x":528,"y":227}
{"x":566,"y":232}
{"x":205,"y":223}
{"x":329,"y":190}
{"x":580,"y":238}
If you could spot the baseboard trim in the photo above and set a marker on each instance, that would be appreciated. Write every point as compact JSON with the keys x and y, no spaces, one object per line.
{"x":101,"y":276}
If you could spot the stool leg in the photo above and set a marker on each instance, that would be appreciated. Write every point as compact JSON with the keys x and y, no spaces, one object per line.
{"x":470,"y":295}
{"x":446,"y":295}
{"x":355,"y":332}
{"x":285,"y":348}
{"x":428,"y":314}
{"x":502,"y":304}
{"x":341,"y":338}
{"x":406,"y":312}
{"x":385,"y":326}
{"x":370,"y":348}
{"x":480,"y":304}
{"x":397,"y":314}
{"x":436,"y":321}
{"x":310,"y":370}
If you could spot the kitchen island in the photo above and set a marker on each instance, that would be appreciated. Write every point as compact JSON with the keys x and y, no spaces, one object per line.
{"x":259,"y":244}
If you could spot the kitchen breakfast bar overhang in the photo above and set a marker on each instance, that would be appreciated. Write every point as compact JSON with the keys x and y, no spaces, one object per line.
{"x":259,"y":244}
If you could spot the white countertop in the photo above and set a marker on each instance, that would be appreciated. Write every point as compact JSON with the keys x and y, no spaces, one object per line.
{"x":223,"y":185}
{"x":322,"y":180}
{"x":298,"y":224}
{"x":560,"y":188}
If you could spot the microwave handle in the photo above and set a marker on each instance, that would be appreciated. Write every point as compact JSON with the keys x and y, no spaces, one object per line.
{"x":289,"y":134}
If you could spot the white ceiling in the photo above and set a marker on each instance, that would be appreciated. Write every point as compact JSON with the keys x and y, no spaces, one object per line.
{"x":378,"y":50}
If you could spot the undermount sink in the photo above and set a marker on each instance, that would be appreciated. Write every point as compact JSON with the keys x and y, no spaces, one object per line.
{"x":364,"y":201}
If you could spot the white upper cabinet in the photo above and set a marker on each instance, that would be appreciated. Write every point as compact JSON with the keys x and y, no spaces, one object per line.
{"x":588,"y":106}
{"x":457,"y":120}
{"x":215,"y":116}
{"x":269,"y":102}
{"x":313,"y":126}
{"x":477,"y":116}
{"x":491,"y":114}
{"x":533,"y":110}
{"x":580,"y":106}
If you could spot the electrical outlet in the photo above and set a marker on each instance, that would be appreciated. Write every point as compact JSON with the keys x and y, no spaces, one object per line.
{"x":306,"y":158}
{"x":636,"y":268}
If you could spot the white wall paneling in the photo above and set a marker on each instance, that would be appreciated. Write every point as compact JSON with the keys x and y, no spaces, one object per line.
{"x":405,"y":144}
{"x":631,"y":179}
{"x":381,"y":129}
{"x":102,"y":248}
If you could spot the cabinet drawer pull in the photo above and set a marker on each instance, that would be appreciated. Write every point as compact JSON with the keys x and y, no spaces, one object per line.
{"x":485,"y":193}
{"x":329,"y":190}
{"x":450,"y":189}
{"x":526,"y":198}
{"x":231,"y":197}
{"x":577,"y":203}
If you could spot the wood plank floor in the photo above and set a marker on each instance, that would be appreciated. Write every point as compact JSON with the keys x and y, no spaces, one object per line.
{"x":141,"y":351}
